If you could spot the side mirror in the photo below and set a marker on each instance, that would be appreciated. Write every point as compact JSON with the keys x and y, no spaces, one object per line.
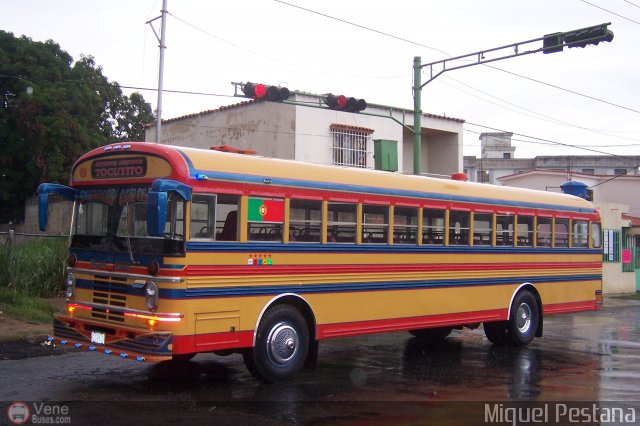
{"x":157,"y":202}
{"x":44,"y":190}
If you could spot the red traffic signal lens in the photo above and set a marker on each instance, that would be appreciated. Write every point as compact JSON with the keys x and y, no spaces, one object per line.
{"x":260,"y":90}
{"x":341,"y":101}
{"x":255,"y":91}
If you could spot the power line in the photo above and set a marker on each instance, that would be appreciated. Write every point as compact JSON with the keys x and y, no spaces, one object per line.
{"x":151,"y":89}
{"x":532,"y":113}
{"x":613,"y":13}
{"x":631,"y":3}
{"x":447,"y":54}
{"x":362,"y":27}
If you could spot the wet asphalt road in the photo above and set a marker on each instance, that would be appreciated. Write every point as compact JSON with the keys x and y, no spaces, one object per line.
{"x":382,"y":379}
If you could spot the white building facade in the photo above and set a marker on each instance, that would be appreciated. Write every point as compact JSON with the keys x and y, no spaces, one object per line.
{"x":304,"y":129}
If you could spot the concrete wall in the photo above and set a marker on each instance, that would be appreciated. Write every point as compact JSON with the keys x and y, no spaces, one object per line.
{"x":266,"y":127}
{"x":613,"y":279}
{"x":303,"y":133}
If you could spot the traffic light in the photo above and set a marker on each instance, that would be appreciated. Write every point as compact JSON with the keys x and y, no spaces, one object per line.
{"x":342,"y":103}
{"x":588,"y":36}
{"x":580,"y":38}
{"x":269,"y":93}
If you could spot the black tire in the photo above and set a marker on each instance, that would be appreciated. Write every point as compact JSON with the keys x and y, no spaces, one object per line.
{"x":182,"y":358}
{"x":524,"y":320}
{"x":496,"y":332}
{"x":282,"y":344}
{"x":434,"y":334}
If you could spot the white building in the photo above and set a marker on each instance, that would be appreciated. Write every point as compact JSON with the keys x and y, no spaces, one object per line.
{"x":304,"y":129}
{"x":497,"y":160}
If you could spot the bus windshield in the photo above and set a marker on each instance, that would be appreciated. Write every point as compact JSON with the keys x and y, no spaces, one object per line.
{"x":115,"y":220}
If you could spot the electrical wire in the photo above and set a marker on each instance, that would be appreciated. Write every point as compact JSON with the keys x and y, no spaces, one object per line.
{"x":613,"y":13}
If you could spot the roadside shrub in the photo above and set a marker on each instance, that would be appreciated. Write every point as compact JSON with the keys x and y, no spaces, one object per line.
{"x":35,"y":268}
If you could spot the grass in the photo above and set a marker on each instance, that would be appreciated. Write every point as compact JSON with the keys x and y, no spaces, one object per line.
{"x":30,"y":272}
{"x":25,"y":308}
{"x":34,"y":268}
{"x":629,"y":296}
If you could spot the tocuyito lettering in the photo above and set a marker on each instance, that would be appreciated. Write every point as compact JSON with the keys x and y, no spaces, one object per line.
{"x":121,"y":168}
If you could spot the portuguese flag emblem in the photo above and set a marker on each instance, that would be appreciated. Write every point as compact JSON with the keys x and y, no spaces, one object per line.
{"x":265,"y":210}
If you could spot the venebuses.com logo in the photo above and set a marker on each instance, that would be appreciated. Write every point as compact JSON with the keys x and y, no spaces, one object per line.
{"x":20,"y":413}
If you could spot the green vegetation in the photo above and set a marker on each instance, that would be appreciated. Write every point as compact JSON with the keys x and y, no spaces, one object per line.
{"x":25,"y":308}
{"x":34,"y":271}
{"x":635,"y":296}
{"x":34,"y":268}
{"x":52,"y":110}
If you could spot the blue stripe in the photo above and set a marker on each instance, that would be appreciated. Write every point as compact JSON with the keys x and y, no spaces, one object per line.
{"x":200,"y":247}
{"x":121,"y":258}
{"x":214,"y":292}
{"x":254,"y":179}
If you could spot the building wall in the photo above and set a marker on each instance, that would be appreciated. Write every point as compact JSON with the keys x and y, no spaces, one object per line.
{"x":613,"y":279}
{"x":266,"y":127}
{"x":289,"y":131}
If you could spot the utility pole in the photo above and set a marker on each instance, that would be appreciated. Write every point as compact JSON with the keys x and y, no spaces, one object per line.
{"x":551,"y":43}
{"x":162,"y":46}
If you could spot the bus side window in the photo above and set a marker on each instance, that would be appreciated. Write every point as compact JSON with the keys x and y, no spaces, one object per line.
{"x":375,"y":224}
{"x":459,"y":228}
{"x":482,"y":229}
{"x":405,"y":225}
{"x":227,"y":218}
{"x":561,"y":233}
{"x":433,"y":226}
{"x":203,"y":216}
{"x":342,"y":223}
{"x":265,"y":219}
{"x":596,"y":235}
{"x":543,"y":231}
{"x":525,"y":231}
{"x":305,"y":221}
{"x":580,"y":234}
{"x":504,"y":230}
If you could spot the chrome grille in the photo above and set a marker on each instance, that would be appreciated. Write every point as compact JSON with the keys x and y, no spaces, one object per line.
{"x":110,"y":291}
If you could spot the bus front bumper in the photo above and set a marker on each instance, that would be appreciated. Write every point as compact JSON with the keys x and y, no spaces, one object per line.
{"x":126,"y":342}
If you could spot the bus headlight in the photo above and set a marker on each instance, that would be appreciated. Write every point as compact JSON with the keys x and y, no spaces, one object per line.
{"x":70,"y":283}
{"x":151,"y":293}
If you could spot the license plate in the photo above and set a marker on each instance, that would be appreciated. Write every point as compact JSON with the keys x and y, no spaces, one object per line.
{"x":97,"y":337}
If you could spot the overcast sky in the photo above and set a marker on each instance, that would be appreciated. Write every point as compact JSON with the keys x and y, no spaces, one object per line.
{"x":212,"y":43}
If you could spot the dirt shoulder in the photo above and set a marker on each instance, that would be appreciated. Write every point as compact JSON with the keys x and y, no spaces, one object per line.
{"x":20,"y":339}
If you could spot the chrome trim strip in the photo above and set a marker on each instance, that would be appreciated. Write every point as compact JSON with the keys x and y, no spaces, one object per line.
{"x":119,"y":310}
{"x":126,"y":275}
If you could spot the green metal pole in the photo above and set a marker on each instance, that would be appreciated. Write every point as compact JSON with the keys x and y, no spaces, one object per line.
{"x":417,"y":114}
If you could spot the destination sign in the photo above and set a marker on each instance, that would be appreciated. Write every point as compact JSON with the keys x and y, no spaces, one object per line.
{"x":119,"y":168}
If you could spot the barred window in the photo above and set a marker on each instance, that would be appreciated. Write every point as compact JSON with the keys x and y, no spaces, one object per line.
{"x":351,"y":145}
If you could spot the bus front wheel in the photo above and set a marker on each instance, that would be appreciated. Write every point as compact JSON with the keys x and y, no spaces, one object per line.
{"x":281,"y":347}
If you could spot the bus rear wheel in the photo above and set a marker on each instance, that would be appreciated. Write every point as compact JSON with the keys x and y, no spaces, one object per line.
{"x":524,"y":319}
{"x":521,"y":327}
{"x":281,"y":347}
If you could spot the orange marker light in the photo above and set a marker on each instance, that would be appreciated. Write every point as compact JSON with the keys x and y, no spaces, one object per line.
{"x":152,"y":323}
{"x":71,"y":310}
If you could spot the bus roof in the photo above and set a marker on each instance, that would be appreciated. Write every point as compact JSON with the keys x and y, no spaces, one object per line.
{"x":189,"y":165}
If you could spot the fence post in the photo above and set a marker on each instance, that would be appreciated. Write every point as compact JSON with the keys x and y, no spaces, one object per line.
{"x":9,"y":254}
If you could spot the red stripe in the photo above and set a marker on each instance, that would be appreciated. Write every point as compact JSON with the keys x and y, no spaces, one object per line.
{"x":399,"y":324}
{"x":202,"y":270}
{"x":212,"y":342}
{"x":570,"y":307}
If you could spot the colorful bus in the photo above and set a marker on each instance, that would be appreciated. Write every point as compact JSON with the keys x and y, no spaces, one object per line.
{"x":176,"y":251}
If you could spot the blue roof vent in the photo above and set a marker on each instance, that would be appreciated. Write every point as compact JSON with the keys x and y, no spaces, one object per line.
{"x":578,"y":189}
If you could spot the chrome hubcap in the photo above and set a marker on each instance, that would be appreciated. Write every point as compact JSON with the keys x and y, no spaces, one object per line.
{"x":282,"y":343}
{"x":523,"y":318}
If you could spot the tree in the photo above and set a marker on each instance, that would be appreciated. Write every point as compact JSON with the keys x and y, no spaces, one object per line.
{"x":51,"y":111}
